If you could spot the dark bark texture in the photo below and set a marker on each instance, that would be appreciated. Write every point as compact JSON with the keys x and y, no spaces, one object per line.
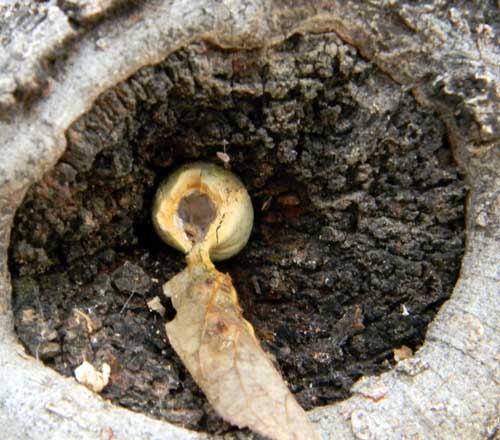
{"x":357,"y":128}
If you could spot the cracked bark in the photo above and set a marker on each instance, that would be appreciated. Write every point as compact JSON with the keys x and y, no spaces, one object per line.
{"x":447,"y":55}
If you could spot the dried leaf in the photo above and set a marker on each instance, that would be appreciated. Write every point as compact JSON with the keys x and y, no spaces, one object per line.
{"x":220,"y":350}
{"x":224,"y":157}
{"x":155,"y":305}
{"x":87,"y":375}
{"x":402,"y":353}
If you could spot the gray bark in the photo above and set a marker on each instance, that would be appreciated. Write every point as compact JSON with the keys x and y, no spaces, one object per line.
{"x":56,"y":58}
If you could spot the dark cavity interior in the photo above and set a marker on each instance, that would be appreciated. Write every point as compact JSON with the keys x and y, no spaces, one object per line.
{"x":357,"y":239}
{"x":197,"y":211}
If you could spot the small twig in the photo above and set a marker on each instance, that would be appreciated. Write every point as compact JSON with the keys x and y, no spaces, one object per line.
{"x":126,"y":303}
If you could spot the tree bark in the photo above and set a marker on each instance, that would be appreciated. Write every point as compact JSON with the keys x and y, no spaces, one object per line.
{"x":56,"y":58}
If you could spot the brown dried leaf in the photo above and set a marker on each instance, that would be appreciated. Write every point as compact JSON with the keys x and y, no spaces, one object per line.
{"x":402,"y":353}
{"x":219,"y":348}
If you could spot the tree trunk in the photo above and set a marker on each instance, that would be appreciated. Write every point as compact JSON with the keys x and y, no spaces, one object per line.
{"x":58,"y":57}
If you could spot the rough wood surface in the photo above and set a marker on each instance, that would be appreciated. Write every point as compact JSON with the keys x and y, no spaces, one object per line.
{"x":57,"y":57}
